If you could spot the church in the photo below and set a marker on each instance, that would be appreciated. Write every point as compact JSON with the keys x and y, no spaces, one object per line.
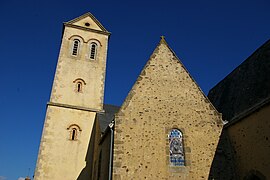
{"x":166,"y":128}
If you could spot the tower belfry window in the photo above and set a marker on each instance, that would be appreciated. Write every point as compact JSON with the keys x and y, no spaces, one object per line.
{"x":75,"y":48}
{"x":93,"y":50}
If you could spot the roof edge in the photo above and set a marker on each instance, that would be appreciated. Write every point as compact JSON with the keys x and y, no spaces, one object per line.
{"x":248,"y":112}
{"x":163,"y":41}
{"x":87,"y":29}
{"x":89,"y":15}
{"x":250,"y":56}
{"x":131,"y":93}
{"x":107,"y":130}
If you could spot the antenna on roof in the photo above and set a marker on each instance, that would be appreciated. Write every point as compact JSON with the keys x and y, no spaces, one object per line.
{"x":27,"y":177}
{"x":28,"y":171}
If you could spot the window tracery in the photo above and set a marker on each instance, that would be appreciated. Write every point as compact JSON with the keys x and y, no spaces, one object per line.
{"x":176,"y":148}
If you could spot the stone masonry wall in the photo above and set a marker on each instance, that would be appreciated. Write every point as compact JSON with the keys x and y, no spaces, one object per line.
{"x":164,"y":97}
{"x":250,"y":139}
{"x":59,"y":157}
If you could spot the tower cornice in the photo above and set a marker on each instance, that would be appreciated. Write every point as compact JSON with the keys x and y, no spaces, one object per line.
{"x":87,"y":29}
{"x":74,"y":107}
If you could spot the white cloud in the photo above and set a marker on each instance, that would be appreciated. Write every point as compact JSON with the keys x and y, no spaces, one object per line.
{"x":3,"y":178}
{"x":21,"y":178}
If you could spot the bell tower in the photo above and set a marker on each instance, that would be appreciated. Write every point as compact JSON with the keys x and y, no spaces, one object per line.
{"x":77,"y":95}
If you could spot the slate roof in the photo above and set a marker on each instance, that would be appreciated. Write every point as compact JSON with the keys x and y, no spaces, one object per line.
{"x":106,"y":117}
{"x":246,"y":88}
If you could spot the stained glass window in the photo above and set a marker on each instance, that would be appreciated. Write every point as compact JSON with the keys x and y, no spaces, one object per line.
{"x":177,"y":157}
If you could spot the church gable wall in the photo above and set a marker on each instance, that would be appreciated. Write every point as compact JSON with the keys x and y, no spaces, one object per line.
{"x":165,"y":97}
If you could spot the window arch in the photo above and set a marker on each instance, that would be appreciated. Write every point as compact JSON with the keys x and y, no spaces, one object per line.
{"x":75,"y":47}
{"x":93,"y":50}
{"x":74,"y":130}
{"x":79,"y":83}
{"x":177,"y":157}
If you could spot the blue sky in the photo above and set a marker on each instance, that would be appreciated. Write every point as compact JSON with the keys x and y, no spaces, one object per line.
{"x":210,"y":37}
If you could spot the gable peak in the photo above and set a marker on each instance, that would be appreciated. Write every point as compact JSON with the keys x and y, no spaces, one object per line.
{"x":88,"y":22}
{"x":164,"y":42}
{"x":162,"y":39}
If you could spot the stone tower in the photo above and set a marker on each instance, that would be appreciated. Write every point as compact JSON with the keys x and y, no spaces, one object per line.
{"x":77,"y":95}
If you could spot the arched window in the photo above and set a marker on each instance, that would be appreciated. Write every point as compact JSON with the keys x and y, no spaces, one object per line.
{"x":93,"y":50}
{"x":73,"y":134}
{"x":79,"y":83}
{"x":75,"y":47}
{"x":177,"y":157}
{"x":79,"y":87}
{"x":74,"y":130}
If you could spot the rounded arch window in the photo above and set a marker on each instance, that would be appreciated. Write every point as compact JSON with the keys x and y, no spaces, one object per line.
{"x":93,"y":50}
{"x":75,"y":47}
{"x":79,"y":83}
{"x":176,"y":148}
{"x":74,"y":131}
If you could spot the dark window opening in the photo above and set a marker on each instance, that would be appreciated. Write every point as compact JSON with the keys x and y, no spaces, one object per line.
{"x":79,"y":87}
{"x":74,"y":134}
{"x":87,"y":24}
{"x":75,"y":47}
{"x":93,"y":50}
